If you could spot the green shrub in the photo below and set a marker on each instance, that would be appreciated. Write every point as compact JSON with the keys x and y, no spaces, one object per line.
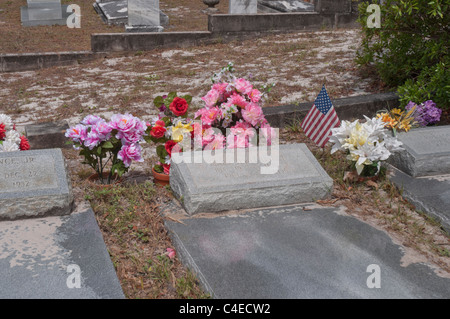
{"x":409,"y":51}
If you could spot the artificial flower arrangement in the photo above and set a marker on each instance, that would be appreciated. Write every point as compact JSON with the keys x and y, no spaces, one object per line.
{"x":10,"y":139}
{"x":367,"y":144}
{"x":169,"y":128}
{"x":232,"y":106}
{"x":113,"y":143}
{"x":414,"y":115}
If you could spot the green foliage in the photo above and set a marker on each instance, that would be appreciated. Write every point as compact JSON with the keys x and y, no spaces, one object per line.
{"x":409,"y":51}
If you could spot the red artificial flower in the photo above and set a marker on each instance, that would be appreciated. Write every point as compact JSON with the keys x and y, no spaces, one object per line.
{"x":179,"y":106}
{"x":158,"y":131}
{"x":166,"y":168}
{"x":169,"y":145}
{"x":160,"y":123}
{"x":24,"y":144}
{"x":2,"y":131}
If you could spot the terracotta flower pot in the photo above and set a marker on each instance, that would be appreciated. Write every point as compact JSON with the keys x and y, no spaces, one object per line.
{"x":160,"y":178}
{"x":94,"y":180}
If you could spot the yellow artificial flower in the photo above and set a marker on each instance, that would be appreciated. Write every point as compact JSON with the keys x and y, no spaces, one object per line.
{"x":179,"y":130}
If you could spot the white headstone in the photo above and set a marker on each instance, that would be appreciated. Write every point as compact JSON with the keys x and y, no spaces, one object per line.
{"x":44,"y":9}
{"x":143,"y":13}
{"x":243,"y":7}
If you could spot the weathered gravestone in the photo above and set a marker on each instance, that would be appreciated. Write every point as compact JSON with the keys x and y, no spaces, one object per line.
{"x":243,"y":7}
{"x":44,"y":12}
{"x":47,"y":135}
{"x":427,"y":152}
{"x":286,"y":5}
{"x":143,"y":16}
{"x":288,"y":174}
{"x":34,"y":183}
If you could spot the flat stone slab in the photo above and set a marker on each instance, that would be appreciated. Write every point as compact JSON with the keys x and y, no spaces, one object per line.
{"x":429,"y":194}
{"x":288,"y":5}
{"x":36,"y":17}
{"x":427,"y":152}
{"x":116,"y":12}
{"x":47,"y":135}
{"x":38,"y":257}
{"x":291,"y":253}
{"x":34,"y":183}
{"x":293,"y":176}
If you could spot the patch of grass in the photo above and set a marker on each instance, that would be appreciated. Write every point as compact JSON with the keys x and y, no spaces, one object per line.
{"x":137,"y":239}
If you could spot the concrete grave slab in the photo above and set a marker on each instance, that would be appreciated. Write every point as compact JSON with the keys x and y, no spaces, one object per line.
{"x":116,"y":12}
{"x":47,"y":135}
{"x":429,"y":194}
{"x":291,"y":175}
{"x":243,"y":7}
{"x":287,"y":5}
{"x":33,"y":184}
{"x":292,"y":253}
{"x":427,"y":151}
{"x":39,"y":257}
{"x":44,"y":12}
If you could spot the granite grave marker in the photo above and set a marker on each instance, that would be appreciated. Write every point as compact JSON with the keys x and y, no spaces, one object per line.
{"x":427,"y":152}
{"x":143,"y":16}
{"x":215,"y":187}
{"x":44,"y":12}
{"x":243,"y":7}
{"x":33,"y":184}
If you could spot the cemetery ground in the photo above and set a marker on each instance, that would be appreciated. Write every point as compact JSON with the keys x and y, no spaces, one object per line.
{"x":184,"y":15}
{"x":129,"y":213}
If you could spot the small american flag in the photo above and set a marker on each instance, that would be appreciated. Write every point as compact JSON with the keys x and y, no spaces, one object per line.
{"x":320,"y":119}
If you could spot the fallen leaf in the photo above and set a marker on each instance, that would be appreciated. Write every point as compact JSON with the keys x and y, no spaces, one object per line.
{"x":372,"y":184}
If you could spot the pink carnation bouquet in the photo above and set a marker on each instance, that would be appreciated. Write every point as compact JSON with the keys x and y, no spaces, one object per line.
{"x":232,"y":113}
{"x":114,"y":144}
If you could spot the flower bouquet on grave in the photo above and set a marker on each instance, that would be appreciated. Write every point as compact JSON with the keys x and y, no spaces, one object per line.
{"x":168,"y":129}
{"x":232,"y":114}
{"x":414,"y":115}
{"x":109,"y":147}
{"x":366,"y":144}
{"x":10,"y":139}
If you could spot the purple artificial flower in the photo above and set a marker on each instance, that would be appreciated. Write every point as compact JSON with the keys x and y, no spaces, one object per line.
{"x":129,"y":153}
{"x":430,"y":113}
{"x":92,"y":120}
{"x":77,"y":133}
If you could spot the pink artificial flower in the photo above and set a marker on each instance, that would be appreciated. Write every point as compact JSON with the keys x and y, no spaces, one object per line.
{"x":171,"y":253}
{"x":92,"y":140}
{"x":123,"y":122}
{"x":92,"y":120}
{"x":253,"y":114}
{"x":77,"y":133}
{"x":102,"y":129}
{"x":209,"y":116}
{"x":217,"y":142}
{"x":240,"y":136}
{"x":255,"y":96}
{"x":211,"y":98}
{"x":129,"y":153}
{"x":238,"y":100}
{"x":243,"y":86}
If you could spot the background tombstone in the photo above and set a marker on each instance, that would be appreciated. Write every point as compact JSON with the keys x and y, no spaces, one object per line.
{"x":34,"y":184}
{"x":143,"y":16}
{"x":44,"y":12}
{"x":426,"y":152}
{"x":243,"y":7}
{"x":47,"y":135}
